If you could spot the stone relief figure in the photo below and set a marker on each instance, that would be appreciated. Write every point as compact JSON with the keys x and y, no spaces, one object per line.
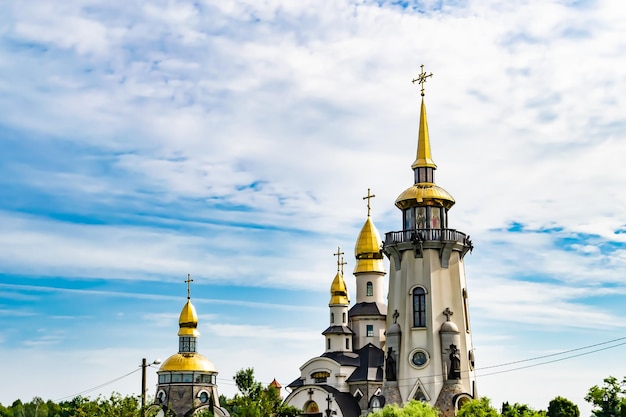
{"x":455,"y":363}
{"x":390,"y":366}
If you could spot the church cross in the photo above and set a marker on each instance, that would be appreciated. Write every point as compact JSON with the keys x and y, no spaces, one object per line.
{"x":342,"y":264}
{"x":447,"y":312}
{"x":338,"y":254}
{"x":421,"y":78}
{"x":369,"y":198}
{"x":189,"y":281}
{"x":395,"y":316}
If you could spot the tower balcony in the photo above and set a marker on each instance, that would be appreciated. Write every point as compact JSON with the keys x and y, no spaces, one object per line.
{"x":444,"y":240}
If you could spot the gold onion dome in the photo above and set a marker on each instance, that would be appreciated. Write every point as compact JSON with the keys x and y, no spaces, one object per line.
{"x":424,"y":193}
{"x":187,"y":362}
{"x":369,"y":257}
{"x":188,"y":321}
{"x":339,"y":291}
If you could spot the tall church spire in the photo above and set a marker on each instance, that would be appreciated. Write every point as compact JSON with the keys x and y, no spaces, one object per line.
{"x":423,"y":158}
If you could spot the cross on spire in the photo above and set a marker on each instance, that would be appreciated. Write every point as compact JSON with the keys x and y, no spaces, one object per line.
{"x":338,"y":254}
{"x":421,"y":78}
{"x":395,"y":316}
{"x":369,"y":197}
{"x":189,"y":281}
{"x":342,"y":264}
{"x":447,"y":312}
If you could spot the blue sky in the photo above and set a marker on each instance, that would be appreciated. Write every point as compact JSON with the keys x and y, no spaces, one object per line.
{"x":141,"y":141}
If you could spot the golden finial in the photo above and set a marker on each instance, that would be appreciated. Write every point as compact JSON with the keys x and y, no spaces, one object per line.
{"x":421,"y":78}
{"x":189,"y":281}
{"x":368,"y":197}
{"x":338,"y":254}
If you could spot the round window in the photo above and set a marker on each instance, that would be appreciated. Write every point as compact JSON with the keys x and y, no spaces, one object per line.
{"x":419,"y":358}
{"x":204,"y":397}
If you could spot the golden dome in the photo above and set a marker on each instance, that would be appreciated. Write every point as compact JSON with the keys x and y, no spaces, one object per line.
{"x":188,"y":321}
{"x":187,"y":362}
{"x":369,"y":257}
{"x":423,"y":158}
{"x":424,"y":194}
{"x":338,"y":291}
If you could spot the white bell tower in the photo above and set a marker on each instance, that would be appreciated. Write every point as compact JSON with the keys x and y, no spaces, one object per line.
{"x":429,"y":352}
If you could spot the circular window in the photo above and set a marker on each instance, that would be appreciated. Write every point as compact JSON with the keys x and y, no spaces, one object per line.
{"x":204,"y":397}
{"x":419,"y":358}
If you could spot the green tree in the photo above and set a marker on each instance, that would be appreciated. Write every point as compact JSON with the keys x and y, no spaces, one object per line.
{"x":608,"y":399}
{"x":562,"y":407}
{"x":255,"y":401}
{"x":480,"y":407}
{"x":411,"y":409}
{"x":519,"y":410}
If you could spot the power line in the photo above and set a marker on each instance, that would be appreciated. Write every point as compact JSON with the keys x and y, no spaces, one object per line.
{"x":554,"y":360}
{"x":555,"y":354}
{"x":97,"y":387}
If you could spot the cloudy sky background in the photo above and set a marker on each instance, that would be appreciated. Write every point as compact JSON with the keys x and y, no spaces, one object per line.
{"x":234,"y":140}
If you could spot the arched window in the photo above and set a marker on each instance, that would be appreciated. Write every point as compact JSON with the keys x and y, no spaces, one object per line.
{"x":344,"y":318}
{"x":347,"y":343}
{"x":419,"y":307}
{"x":332,"y":318}
{"x":370,"y":289}
{"x":328,"y":343}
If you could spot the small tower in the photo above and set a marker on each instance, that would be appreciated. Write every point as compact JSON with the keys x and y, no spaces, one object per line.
{"x":429,"y":331}
{"x":338,"y":334}
{"x":368,"y":315}
{"x":187,"y":380}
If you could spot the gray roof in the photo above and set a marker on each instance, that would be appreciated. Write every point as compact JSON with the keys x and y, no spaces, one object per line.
{"x":343,"y":358}
{"x":370,"y":368}
{"x":338,"y":330}
{"x":368,"y":309}
{"x":348,"y":404}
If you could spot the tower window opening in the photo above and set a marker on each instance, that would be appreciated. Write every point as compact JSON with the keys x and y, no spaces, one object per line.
{"x":369,"y":330}
{"x":370,"y":289}
{"x":187,"y":344}
{"x":347,"y":343}
{"x":332,"y":318}
{"x":419,"y":307}
{"x":435,"y":218}
{"x":328,"y":343}
{"x":343,"y":321}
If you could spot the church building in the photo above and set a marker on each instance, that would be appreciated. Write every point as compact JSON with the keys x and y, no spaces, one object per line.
{"x":347,"y":379}
{"x":422,"y":350}
{"x":187,"y":380}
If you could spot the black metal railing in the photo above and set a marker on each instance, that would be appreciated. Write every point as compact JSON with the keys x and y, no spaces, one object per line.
{"x":427,"y":235}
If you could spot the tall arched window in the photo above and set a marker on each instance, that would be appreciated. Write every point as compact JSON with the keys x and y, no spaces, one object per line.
{"x":419,"y":307}
{"x":344,"y":318}
{"x":370,"y":289}
{"x":332,"y":318}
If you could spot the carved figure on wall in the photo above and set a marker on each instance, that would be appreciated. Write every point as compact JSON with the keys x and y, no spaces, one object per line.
{"x":455,"y":363}
{"x":390,"y":366}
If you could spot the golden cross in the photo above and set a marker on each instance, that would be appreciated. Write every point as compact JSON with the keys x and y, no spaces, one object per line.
{"x":368,"y":198}
{"x":338,"y":254}
{"x":342,"y":264}
{"x":189,"y":281}
{"x":421,"y":78}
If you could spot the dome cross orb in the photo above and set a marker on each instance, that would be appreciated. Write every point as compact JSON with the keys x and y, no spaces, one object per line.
{"x":421,"y":78}
{"x":369,"y":197}
{"x":189,"y":281}
{"x":339,"y":260}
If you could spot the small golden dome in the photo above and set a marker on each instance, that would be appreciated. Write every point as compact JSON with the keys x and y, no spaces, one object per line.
{"x":369,"y":257}
{"x":338,"y":291}
{"x":424,"y":194}
{"x":187,"y":362}
{"x":188,"y":321}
